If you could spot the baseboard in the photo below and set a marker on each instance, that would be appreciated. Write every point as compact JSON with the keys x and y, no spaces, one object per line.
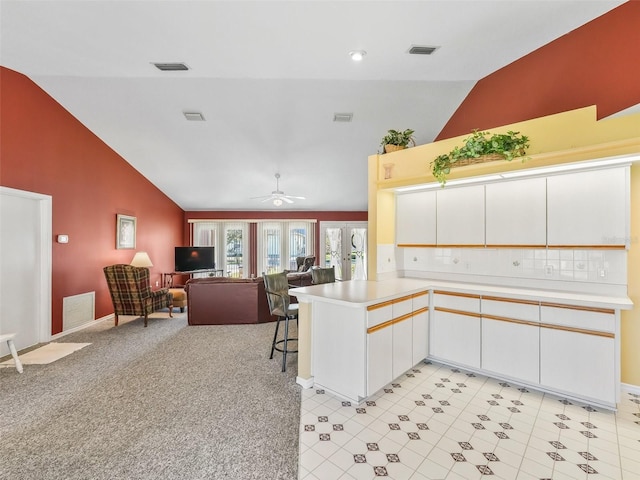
{"x":632,"y":389}
{"x":305,"y":382}
{"x":82,"y":327}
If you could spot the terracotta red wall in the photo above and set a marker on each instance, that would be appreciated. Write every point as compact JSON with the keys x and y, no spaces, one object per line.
{"x":44,"y":149}
{"x":596,"y":64}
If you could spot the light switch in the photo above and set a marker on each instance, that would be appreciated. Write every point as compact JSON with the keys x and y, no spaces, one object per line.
{"x":63,"y":238}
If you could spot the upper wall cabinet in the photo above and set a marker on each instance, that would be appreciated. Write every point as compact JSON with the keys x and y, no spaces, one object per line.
{"x":460,"y":216}
{"x":588,"y":208}
{"x":516,"y":213}
{"x":416,"y":218}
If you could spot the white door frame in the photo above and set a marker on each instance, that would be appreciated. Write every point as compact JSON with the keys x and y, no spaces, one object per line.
{"x":344,"y":225}
{"x":42,"y":292}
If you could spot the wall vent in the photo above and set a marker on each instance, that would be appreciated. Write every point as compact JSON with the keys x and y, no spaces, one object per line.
{"x":171,"y":67}
{"x":342,"y":117}
{"x":421,"y":50}
{"x":78,"y":310}
{"x":194,"y":116}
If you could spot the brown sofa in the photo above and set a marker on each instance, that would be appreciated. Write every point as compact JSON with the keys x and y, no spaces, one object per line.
{"x":224,"y":300}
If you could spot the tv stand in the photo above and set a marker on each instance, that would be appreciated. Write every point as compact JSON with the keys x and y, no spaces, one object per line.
{"x":167,"y":278}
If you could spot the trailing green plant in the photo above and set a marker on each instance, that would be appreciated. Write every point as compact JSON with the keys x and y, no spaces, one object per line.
{"x":508,"y":145}
{"x":401,"y":139}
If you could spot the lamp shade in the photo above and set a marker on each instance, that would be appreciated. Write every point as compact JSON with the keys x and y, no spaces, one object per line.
{"x":141,"y":259}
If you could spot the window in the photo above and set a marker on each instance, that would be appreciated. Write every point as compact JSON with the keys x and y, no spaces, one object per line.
{"x":279,"y":243}
{"x":231,"y":241}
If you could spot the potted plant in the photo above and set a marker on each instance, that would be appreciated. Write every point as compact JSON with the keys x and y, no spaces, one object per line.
{"x":481,"y":147}
{"x":396,"y":140}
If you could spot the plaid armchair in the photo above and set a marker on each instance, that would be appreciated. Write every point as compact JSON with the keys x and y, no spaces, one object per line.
{"x":131,"y":292}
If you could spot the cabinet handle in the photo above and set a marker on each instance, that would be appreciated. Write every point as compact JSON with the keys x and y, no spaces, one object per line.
{"x":577,"y":307}
{"x":457,"y":312}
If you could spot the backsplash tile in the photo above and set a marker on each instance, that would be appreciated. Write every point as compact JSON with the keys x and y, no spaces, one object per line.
{"x":607,"y":267}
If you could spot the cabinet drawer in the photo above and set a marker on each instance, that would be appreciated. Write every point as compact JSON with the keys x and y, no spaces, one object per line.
{"x":379,"y":313}
{"x":402,"y":307}
{"x":457,"y":301}
{"x":601,"y":320}
{"x":420,"y":300}
{"x":528,"y":311}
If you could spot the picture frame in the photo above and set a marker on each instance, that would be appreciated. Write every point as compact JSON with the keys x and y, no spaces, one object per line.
{"x":125,"y":232}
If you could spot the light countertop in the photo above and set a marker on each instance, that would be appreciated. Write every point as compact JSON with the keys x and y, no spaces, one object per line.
{"x":361,"y":293}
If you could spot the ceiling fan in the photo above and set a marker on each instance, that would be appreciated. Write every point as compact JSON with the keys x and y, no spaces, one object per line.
{"x":278,"y":196}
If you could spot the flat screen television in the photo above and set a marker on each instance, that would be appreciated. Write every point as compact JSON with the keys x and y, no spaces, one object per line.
{"x":188,"y":259}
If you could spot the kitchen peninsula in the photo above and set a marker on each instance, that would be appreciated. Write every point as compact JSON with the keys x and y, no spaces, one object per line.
{"x":358,"y":336}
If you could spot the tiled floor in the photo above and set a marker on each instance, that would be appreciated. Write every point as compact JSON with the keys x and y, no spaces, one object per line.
{"x":439,"y":422}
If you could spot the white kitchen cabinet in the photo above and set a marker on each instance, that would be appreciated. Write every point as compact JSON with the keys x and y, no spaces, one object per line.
{"x":460,"y":216}
{"x":379,"y":354}
{"x":420,"y":348}
{"x":416,"y":218}
{"x":588,"y":208}
{"x":516,"y":212}
{"x":579,"y":364}
{"x":455,"y":329}
{"x":510,"y":338}
{"x":402,"y":345}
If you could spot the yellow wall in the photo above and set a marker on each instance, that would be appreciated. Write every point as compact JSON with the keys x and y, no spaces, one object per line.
{"x":554,"y":139}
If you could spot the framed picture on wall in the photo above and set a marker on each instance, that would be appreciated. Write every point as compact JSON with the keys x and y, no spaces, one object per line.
{"x":125,"y":231}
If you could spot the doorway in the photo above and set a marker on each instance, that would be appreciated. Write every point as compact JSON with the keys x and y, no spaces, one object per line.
{"x":343,"y":245}
{"x":25,"y":267}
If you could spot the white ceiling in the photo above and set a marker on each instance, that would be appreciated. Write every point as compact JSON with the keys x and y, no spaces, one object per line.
{"x":268,"y":77}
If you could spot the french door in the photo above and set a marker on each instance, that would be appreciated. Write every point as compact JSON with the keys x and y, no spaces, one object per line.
{"x":343,"y":245}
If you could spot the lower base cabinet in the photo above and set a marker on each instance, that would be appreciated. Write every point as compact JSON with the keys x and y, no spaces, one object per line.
{"x":578,"y":363}
{"x":511,"y":349}
{"x":379,"y":354}
{"x":455,"y":337}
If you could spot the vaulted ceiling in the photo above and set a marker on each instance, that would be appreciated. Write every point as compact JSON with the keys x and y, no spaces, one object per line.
{"x":268,"y":77}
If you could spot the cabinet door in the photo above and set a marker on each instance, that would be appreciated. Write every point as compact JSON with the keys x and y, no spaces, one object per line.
{"x":511,"y":349}
{"x":379,"y":359}
{"x":420,"y":335}
{"x":460,"y":216}
{"x":420,"y":306}
{"x":455,"y":338}
{"x":402,"y":345}
{"x":516,"y":212}
{"x":588,"y":208}
{"x":579,"y":364}
{"x":416,"y":218}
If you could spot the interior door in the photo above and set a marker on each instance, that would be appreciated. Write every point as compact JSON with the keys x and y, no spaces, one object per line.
{"x":344,"y":246}
{"x":25,"y":267}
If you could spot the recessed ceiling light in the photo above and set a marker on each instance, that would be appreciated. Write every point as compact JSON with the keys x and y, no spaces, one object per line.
{"x":171,"y":67}
{"x":421,"y":50}
{"x":342,"y":117}
{"x":357,"y":55}
{"x":194,"y":116}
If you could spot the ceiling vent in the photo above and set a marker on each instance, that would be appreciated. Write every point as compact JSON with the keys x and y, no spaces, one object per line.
{"x":171,"y":67}
{"x":194,"y":116}
{"x":342,"y":117}
{"x":421,"y":50}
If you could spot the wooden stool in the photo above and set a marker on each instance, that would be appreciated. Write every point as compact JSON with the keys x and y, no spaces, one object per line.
{"x":8,"y":337}
{"x":179,"y":298}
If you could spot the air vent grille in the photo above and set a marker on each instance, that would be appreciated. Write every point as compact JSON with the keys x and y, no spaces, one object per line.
{"x":421,"y":50}
{"x":171,"y":67}
{"x":342,"y":117}
{"x":194,"y":116}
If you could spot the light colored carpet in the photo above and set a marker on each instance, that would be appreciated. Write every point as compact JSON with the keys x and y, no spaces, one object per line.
{"x":166,"y":402}
{"x":47,"y":353}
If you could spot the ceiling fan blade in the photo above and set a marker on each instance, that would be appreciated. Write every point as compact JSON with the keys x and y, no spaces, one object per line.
{"x":294,"y":197}
{"x":286,"y":199}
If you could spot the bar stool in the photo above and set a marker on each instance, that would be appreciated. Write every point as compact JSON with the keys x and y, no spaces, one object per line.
{"x":8,"y":337}
{"x":277,"y":290}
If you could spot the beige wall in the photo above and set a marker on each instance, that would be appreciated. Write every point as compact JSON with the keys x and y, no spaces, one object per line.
{"x":565,"y":137}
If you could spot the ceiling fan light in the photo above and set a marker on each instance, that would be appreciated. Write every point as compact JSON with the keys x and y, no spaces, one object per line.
{"x":277,"y":202}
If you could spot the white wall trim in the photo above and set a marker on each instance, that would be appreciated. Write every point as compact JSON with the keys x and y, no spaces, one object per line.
{"x":305,"y":382}
{"x":628,"y":388}
{"x":111,"y":316}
